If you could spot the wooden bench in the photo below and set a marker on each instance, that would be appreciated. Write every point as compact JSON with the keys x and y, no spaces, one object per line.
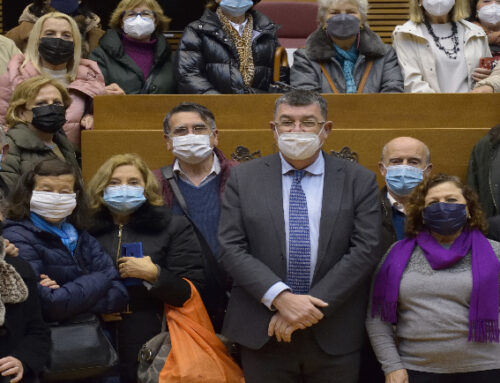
{"x":449,"y":124}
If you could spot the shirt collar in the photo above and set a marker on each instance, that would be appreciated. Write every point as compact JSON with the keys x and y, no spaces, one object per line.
{"x":395,"y":204}
{"x":216,"y":169}
{"x":239,"y":27}
{"x":317,"y":168}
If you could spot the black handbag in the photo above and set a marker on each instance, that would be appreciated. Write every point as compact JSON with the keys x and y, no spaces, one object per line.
{"x":80,"y":349}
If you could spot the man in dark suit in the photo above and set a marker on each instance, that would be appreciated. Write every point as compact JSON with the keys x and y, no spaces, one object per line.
{"x":299,"y":234}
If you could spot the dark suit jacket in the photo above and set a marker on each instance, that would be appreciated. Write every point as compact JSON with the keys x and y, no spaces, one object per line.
{"x":252,"y":237}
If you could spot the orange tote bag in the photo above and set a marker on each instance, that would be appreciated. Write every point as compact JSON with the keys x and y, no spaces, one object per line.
{"x":197,"y":355}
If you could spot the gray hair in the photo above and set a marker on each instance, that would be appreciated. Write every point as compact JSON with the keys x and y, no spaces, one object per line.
{"x":300,"y":97}
{"x":324,"y":6}
{"x":205,"y":114}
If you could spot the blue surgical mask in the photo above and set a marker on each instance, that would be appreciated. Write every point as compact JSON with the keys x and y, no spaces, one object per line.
{"x":124,"y":199}
{"x":445,"y":218}
{"x":402,"y":179}
{"x":235,"y":8}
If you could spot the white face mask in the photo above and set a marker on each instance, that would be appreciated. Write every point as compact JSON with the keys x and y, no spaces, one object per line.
{"x":489,"y":14}
{"x":438,"y":7}
{"x":139,"y":27}
{"x":192,"y":148}
{"x":52,"y":205}
{"x":299,"y":145}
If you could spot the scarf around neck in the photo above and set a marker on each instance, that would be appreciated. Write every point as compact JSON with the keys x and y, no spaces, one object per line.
{"x":243,"y":45}
{"x":66,"y":232}
{"x":484,"y":301}
{"x":348,"y":59}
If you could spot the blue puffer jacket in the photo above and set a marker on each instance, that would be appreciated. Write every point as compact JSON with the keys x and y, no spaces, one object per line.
{"x":89,"y":285}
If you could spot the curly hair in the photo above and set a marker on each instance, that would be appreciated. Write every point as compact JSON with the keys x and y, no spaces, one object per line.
{"x":416,"y":204}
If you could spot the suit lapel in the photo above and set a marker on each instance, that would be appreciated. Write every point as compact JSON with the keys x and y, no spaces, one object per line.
{"x":333,"y":186}
{"x":274,"y":196}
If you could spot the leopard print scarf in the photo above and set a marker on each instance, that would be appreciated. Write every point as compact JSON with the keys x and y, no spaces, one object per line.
{"x":243,"y":46}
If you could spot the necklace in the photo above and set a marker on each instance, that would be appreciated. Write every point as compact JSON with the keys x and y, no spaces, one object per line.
{"x":452,"y":53}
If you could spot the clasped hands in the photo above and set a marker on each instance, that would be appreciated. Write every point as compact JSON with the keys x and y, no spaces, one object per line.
{"x":294,"y":312}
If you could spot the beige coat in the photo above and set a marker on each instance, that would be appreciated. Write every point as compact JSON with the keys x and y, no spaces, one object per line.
{"x":417,"y":60}
{"x":7,"y":50}
{"x":493,"y":80}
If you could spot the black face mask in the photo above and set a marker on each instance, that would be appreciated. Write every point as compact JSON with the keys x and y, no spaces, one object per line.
{"x":343,"y":26}
{"x":49,"y":118}
{"x":56,"y":51}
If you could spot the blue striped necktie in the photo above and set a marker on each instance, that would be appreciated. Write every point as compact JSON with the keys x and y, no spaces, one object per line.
{"x":299,"y":244}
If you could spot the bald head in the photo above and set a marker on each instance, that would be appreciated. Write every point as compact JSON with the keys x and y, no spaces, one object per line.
{"x":406,"y":151}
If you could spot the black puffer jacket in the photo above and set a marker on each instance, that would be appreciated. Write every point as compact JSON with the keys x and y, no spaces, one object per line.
{"x":208,"y":60}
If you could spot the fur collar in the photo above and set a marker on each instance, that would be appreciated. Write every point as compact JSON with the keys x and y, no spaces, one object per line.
{"x":147,"y":218}
{"x":27,"y":15}
{"x":319,"y":47}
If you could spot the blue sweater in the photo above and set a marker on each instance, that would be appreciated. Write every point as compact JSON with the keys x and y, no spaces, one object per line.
{"x":203,"y":205}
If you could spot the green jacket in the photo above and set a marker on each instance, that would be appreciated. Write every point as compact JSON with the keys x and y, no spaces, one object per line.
{"x":26,"y":150}
{"x":483,"y":173}
{"x":118,"y":67}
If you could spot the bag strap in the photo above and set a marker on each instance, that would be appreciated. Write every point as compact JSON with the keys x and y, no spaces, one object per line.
{"x":280,"y":60}
{"x":362,"y":83}
{"x":168,"y":174}
{"x":328,"y":78}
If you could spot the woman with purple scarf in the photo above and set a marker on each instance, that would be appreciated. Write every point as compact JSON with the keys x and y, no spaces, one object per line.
{"x":435,"y":297}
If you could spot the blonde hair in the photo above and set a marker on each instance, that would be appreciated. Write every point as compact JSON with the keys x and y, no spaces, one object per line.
{"x":461,"y":10}
{"x":33,"y":56}
{"x":161,"y":20}
{"x":101,"y":178}
{"x":27,"y":91}
{"x":324,"y":6}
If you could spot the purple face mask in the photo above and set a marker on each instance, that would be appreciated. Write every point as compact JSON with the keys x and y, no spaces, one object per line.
{"x":445,"y":218}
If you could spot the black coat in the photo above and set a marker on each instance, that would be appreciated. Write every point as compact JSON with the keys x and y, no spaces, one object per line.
{"x":25,"y":335}
{"x":172,"y":245}
{"x":118,"y":67}
{"x":208,"y":60}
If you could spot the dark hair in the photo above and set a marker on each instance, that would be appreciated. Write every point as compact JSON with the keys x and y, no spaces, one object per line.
{"x":494,"y":135}
{"x":299,"y":97}
{"x":19,"y":207}
{"x":473,"y":11}
{"x":416,"y":204}
{"x":205,"y":114}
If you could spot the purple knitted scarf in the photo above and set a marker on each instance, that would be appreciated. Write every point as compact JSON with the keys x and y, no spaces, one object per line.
{"x":484,"y":301}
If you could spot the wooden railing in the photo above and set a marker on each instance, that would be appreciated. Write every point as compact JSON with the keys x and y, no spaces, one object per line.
{"x":450,"y":124}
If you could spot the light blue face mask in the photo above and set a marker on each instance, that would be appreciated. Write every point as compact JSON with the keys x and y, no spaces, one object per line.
{"x":124,"y":199}
{"x":235,"y":8}
{"x":402,"y":179}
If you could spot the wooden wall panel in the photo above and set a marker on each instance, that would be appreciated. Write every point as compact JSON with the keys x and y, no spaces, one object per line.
{"x":450,"y":124}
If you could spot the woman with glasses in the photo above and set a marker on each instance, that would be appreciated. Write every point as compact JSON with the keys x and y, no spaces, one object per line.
{"x":134,"y":53}
{"x":343,"y":55}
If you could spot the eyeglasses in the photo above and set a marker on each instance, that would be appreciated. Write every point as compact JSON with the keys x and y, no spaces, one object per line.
{"x":184,"y":130}
{"x":304,"y":125}
{"x":133,"y":14}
